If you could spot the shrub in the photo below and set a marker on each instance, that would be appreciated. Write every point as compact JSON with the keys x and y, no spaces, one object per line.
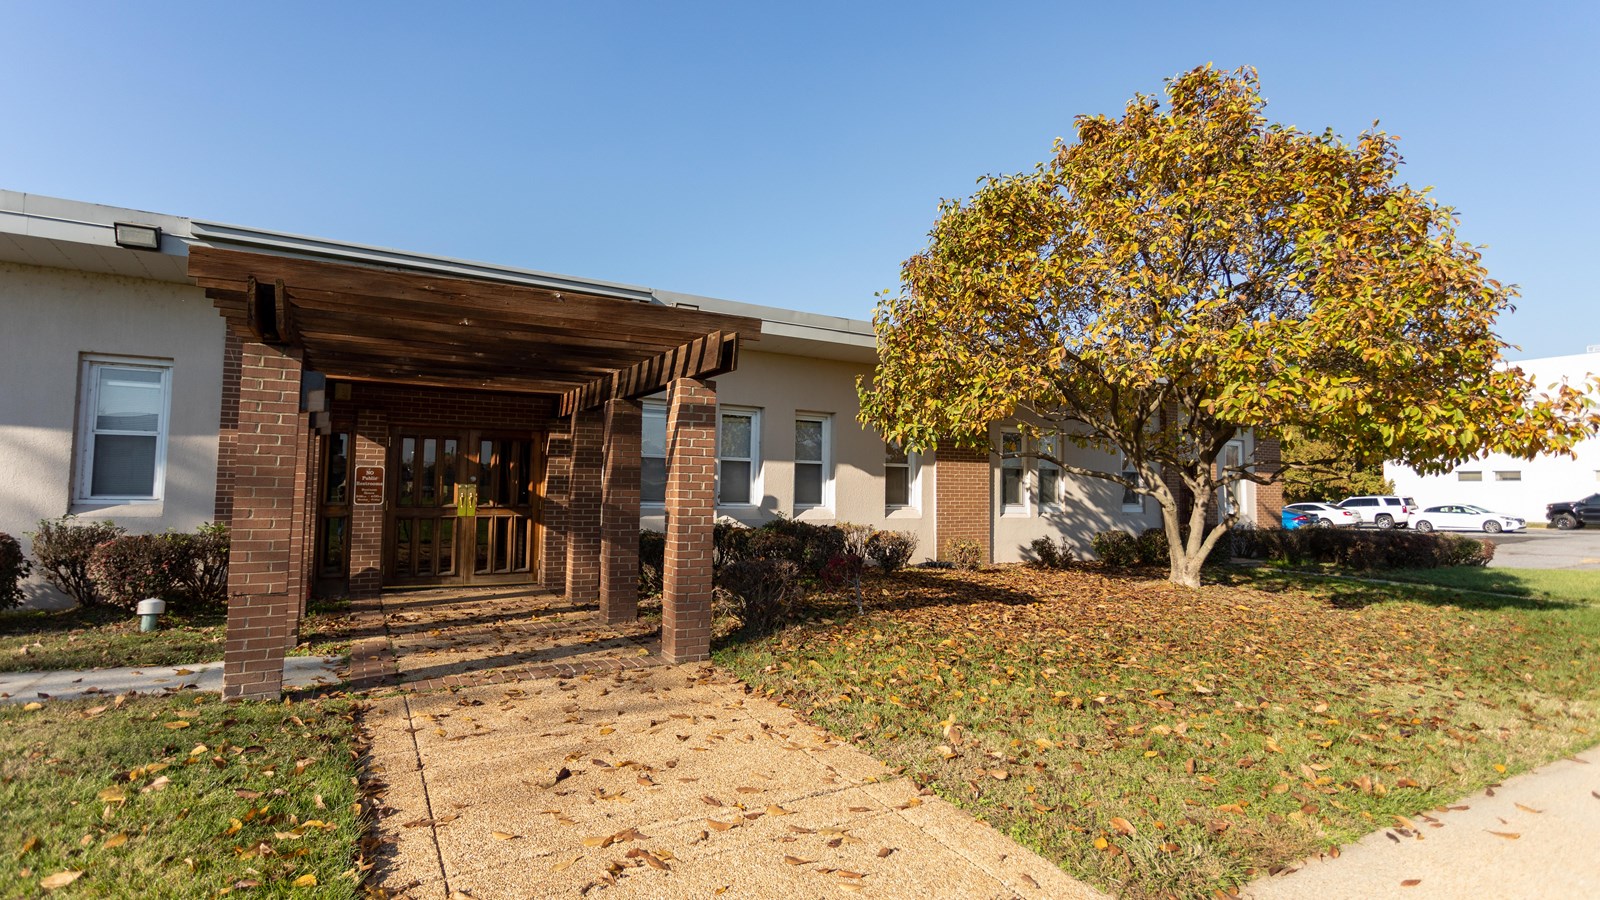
{"x":891,"y":550}
{"x":652,"y":559}
{"x":13,"y":568}
{"x":1117,"y":549}
{"x":729,"y":543}
{"x":201,"y":562}
{"x":1050,"y":555}
{"x":845,"y":570}
{"x":764,"y":591}
{"x":61,"y":548}
{"x":1151,"y":547}
{"x":1361,"y":550}
{"x":965,"y":554}
{"x":130,"y":568}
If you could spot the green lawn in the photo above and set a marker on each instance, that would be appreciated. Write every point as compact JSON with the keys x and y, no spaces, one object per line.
{"x":1158,"y":741}
{"x":1569,"y":585}
{"x":178,"y":797}
{"x":102,"y":636}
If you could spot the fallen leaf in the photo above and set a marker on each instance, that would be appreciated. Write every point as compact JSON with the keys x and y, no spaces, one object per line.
{"x":31,"y":707}
{"x":181,"y":723}
{"x":60,"y":879}
{"x":504,"y":835}
{"x":307,"y":880}
{"x":797,"y":861}
{"x":116,"y":840}
{"x":1411,"y":882}
{"x":777,"y":811}
{"x":1508,"y":835}
{"x":1123,"y":826}
{"x":565,"y":864}
{"x":883,"y":852}
{"x":1527,"y":809}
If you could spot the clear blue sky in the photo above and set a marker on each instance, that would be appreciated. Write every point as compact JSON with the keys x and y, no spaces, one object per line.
{"x":786,"y":154}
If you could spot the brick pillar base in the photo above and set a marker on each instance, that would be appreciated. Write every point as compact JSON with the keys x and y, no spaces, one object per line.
{"x":963,"y":501}
{"x":619,"y":512}
{"x":691,"y":509}
{"x":583,"y":506}
{"x":262,"y":578}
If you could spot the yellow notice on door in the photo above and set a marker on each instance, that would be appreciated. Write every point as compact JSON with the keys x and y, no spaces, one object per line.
{"x":466,"y":499}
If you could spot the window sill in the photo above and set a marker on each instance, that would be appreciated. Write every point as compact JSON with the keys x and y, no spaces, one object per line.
{"x":122,"y":509}
{"x":903,"y":512}
{"x":1018,"y":513}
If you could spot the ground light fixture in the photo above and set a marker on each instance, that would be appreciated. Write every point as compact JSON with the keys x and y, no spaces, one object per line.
{"x":137,"y":237}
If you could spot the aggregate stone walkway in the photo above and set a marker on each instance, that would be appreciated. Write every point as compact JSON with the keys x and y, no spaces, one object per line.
{"x":299,"y":672}
{"x":581,"y":766}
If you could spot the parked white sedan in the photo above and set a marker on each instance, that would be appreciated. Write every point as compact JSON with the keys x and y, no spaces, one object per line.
{"x":1462,"y":517}
{"x":1326,"y":513}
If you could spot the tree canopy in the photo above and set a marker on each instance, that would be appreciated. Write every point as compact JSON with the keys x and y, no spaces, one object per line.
{"x":1181,"y":275}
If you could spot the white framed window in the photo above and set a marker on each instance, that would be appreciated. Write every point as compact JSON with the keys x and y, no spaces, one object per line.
{"x":1132,"y":499}
{"x":1050,"y":485}
{"x":1013,"y":495}
{"x":124,"y":409}
{"x":653,"y":454}
{"x":1469,"y":476}
{"x":1230,"y":496}
{"x":738,"y":456}
{"x":813,"y":460}
{"x":902,"y":478}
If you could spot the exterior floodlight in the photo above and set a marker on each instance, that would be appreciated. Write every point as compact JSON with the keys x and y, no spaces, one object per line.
{"x":138,"y":237}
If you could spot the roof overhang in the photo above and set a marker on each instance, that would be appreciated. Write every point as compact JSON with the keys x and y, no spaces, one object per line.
{"x":365,"y":323}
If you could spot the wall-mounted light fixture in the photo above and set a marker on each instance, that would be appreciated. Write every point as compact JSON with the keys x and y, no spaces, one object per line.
{"x":137,"y":237}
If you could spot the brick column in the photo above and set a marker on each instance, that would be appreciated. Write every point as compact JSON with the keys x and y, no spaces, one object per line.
{"x":963,"y":499}
{"x":553,"y":510}
{"x":366,"y":520}
{"x":227,"y":425}
{"x":583,"y":506}
{"x":302,"y":539}
{"x":261,"y":575}
{"x":619,"y":512}
{"x":691,"y":509}
{"x":1269,"y":497}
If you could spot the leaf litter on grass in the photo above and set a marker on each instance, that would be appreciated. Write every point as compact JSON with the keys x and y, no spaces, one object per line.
{"x":1160,"y":740}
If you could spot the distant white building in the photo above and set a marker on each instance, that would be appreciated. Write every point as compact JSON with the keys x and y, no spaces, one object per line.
{"x":1519,"y":487}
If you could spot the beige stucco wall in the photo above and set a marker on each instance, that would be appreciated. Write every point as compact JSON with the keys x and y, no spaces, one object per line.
{"x":51,"y":318}
{"x":1090,"y":505}
{"x":780,"y":386}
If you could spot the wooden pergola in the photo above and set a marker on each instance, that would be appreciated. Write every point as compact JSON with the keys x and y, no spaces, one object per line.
{"x":592,"y":355}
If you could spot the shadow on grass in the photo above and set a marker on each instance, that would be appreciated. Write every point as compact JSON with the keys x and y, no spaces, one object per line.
{"x":1357,"y":590}
{"x":42,"y":622}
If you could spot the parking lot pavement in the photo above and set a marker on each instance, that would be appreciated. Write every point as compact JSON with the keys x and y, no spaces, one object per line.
{"x":1540,"y":548}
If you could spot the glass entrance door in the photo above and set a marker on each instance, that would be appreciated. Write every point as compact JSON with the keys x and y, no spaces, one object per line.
{"x":432,"y":536}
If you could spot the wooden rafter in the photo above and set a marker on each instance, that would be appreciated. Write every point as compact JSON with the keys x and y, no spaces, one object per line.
{"x":368,"y":323}
{"x":704,"y":357}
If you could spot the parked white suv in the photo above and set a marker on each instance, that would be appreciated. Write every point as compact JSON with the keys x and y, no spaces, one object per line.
{"x":1382,"y":511}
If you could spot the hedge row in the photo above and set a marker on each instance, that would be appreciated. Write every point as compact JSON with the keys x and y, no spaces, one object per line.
{"x":763,"y":571}
{"x":1348,"y":548}
{"x":99,"y":562}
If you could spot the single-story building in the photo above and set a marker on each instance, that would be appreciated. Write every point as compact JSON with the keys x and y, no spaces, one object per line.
{"x":1505,"y":484}
{"x":366,"y":419}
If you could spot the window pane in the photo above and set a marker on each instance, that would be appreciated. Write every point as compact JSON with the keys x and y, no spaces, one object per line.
{"x":1011,"y":443}
{"x":1469,"y":476}
{"x":430,"y":496}
{"x":653,"y":435}
{"x":338,"y":467}
{"x":807,"y":484}
{"x":653,"y":480}
{"x":808,"y":440}
{"x":1011,"y":487}
{"x":735,"y":484}
{"x":734,"y":439}
{"x":128,"y":400}
{"x":1049,"y":484}
{"x":896,"y":489}
{"x":408,"y":478}
{"x":124,"y":466}
{"x":894,"y":454}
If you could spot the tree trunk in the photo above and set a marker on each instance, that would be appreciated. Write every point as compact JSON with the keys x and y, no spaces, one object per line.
{"x":1185,"y":571}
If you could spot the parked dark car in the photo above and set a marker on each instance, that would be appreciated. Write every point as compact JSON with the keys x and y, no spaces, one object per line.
{"x":1575,"y":514}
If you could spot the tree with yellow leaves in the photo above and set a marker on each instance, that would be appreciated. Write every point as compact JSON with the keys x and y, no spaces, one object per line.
{"x":1180,"y":277}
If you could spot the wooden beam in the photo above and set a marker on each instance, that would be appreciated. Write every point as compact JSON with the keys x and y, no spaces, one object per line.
{"x":704,"y":357}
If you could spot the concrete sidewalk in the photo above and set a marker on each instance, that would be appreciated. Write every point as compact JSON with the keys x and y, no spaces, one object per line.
{"x":1538,"y":836}
{"x":22,"y":687}
{"x":664,"y":782}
